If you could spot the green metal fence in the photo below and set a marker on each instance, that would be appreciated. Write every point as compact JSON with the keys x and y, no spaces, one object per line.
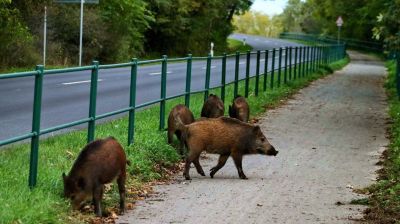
{"x":350,"y":43}
{"x":305,"y":60}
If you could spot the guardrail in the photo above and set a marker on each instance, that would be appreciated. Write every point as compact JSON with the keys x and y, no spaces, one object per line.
{"x":297,"y":62}
{"x":350,"y":43}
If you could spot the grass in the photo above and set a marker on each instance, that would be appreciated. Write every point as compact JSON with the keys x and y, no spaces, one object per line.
{"x":384,"y":199}
{"x":237,"y":45}
{"x":150,"y":156}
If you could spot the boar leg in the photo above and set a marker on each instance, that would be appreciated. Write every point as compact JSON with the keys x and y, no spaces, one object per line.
{"x":237,"y":158}
{"x":198,"y":166}
{"x":221,"y":162}
{"x":97,"y":195}
{"x":170,"y":136}
{"x":121,"y":189}
{"x":191,"y":157}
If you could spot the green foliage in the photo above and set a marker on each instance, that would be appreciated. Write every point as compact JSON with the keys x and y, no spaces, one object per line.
{"x":363,"y":20}
{"x":16,"y":41}
{"x":257,"y":23}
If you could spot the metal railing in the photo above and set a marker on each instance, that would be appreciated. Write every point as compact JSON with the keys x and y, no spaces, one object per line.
{"x":297,"y":62}
{"x":350,"y":43}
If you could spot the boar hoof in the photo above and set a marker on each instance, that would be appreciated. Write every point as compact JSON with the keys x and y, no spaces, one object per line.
{"x":243,"y":177}
{"x":188,"y":178}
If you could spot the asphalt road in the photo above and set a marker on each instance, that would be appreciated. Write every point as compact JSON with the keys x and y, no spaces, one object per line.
{"x":66,"y":96}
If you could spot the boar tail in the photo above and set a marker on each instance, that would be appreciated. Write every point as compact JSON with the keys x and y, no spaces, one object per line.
{"x":128,"y":162}
{"x":179,"y":125}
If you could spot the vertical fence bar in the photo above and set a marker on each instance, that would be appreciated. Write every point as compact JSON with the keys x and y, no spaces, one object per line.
{"x":300,"y":65}
{"x":246,"y":87}
{"x":273,"y":69}
{"x":188,"y":80}
{"x":303,"y":66}
{"x":295,"y":62}
{"x":132,"y":102}
{"x":37,"y":106}
{"x":280,"y":67}
{"x":235,"y":88}
{"x":314,"y":59}
{"x":290,"y":63}
{"x":223,"y":77}
{"x":257,"y":73}
{"x":398,"y":72}
{"x":93,"y":99}
{"x":286,"y":65}
{"x":266,"y":69}
{"x":308,"y":60}
{"x":163,"y":91}
{"x":208,"y":73}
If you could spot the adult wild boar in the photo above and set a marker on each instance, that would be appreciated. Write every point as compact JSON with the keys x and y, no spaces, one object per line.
{"x":226,"y":137}
{"x":213,"y":107}
{"x":98,"y":163}
{"x":240,"y":109}
{"x":186,"y":116}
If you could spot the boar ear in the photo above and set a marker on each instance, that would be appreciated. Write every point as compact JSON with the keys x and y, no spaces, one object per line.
{"x":81,"y":183}
{"x":256,"y":129}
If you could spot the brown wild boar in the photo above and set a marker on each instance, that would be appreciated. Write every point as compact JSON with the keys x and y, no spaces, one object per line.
{"x":99,"y":163}
{"x":186,"y":116}
{"x":240,"y":109}
{"x":226,"y":137}
{"x":213,"y":107}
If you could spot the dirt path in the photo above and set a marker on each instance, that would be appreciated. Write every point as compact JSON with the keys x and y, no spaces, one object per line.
{"x":329,"y":137}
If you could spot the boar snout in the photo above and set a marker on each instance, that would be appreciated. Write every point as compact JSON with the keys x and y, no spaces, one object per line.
{"x":272,"y":152}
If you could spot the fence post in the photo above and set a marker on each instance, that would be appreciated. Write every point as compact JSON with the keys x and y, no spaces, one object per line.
{"x":308,"y":61}
{"x":257,"y":73}
{"x":246,"y":87}
{"x":290,"y":63}
{"x":163,"y":91}
{"x":273,"y":69}
{"x":266,"y":69}
{"x":37,"y":106}
{"x":299,"y":75}
{"x":93,"y":99}
{"x":286,"y":65}
{"x":132,"y":102}
{"x":303,"y":66}
{"x":398,"y":72}
{"x":223,"y":77}
{"x":295,"y":62}
{"x":208,"y":73}
{"x":235,"y":88}
{"x":188,"y":79}
{"x":280,"y":67}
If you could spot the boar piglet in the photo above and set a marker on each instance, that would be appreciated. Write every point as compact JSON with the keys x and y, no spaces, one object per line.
{"x":186,"y":116}
{"x":226,"y":137}
{"x":240,"y":109}
{"x":99,"y":163}
{"x":213,"y":107}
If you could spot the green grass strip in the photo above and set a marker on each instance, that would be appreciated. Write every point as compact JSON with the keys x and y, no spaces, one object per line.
{"x":384,"y":197}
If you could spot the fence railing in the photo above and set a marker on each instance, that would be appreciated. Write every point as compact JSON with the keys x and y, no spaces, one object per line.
{"x":350,"y":43}
{"x":292,"y":63}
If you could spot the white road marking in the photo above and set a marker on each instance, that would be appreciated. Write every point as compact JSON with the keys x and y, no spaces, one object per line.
{"x":242,"y":63}
{"x":79,"y":82}
{"x":159,"y":73}
{"x":210,"y":67}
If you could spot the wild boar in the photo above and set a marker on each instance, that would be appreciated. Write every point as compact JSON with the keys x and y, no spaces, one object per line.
{"x":186,"y":116}
{"x":240,"y":109}
{"x":213,"y":107}
{"x":99,"y":163}
{"x":226,"y":137}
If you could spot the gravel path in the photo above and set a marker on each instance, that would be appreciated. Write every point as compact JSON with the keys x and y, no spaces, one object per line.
{"x":329,"y":137}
